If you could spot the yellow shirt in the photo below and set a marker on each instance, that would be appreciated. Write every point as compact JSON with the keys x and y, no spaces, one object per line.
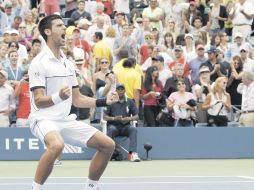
{"x":101,"y":50}
{"x":131,"y":79}
{"x":118,"y":66}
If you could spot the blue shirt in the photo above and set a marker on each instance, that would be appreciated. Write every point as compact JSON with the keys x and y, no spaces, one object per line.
{"x":76,"y":15}
{"x":194,"y":66}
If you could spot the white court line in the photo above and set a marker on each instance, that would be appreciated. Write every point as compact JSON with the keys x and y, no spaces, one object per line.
{"x":129,"y":177}
{"x":131,"y":183}
{"x":246,"y":177}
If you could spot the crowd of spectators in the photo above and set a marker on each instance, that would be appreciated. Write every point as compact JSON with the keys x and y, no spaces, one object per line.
{"x":189,"y":60}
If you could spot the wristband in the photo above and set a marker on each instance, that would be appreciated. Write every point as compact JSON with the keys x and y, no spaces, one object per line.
{"x":102,"y":102}
{"x":56,"y":98}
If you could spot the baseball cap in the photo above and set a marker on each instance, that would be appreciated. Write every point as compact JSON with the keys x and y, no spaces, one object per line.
{"x":84,"y":21}
{"x":79,"y":56}
{"x":204,"y":69}
{"x":120,"y":86}
{"x":212,"y":49}
{"x":13,"y":31}
{"x":238,"y":35}
{"x":4,"y":73}
{"x":158,"y":58}
{"x":69,"y":30}
{"x":8,"y":5}
{"x":244,"y":47}
{"x":188,"y":35}
{"x":192,"y":3}
{"x":178,"y":47}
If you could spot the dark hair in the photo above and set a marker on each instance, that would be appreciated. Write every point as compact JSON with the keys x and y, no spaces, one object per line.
{"x":172,"y":42}
{"x":213,"y":43}
{"x":127,"y":63}
{"x":36,"y":41}
{"x":98,"y":35}
{"x":16,"y":43}
{"x":123,"y":53}
{"x":18,"y":17}
{"x":196,"y":18}
{"x":148,"y":83}
{"x":133,"y":60}
{"x":12,"y":51}
{"x":46,"y":23}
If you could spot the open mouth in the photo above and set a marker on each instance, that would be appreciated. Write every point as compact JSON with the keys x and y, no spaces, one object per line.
{"x":63,"y":36}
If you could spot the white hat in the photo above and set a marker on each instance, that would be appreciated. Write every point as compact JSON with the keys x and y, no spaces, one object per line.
{"x":188,"y":35}
{"x":204,"y":69}
{"x":238,"y":34}
{"x":13,"y":31}
{"x":244,"y":47}
{"x":4,"y":73}
{"x":79,"y":56}
{"x":84,"y":21}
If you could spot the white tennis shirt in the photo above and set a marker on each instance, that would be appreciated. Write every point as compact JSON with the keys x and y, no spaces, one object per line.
{"x":52,"y":74}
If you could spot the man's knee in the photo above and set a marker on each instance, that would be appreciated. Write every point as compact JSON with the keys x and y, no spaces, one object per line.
{"x":56,"y":147}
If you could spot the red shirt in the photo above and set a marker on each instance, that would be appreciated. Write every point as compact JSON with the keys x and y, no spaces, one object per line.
{"x":24,"y":101}
{"x":107,"y":5}
{"x":83,"y":44}
{"x":151,"y":100}
{"x":144,"y":53}
{"x":183,"y":62}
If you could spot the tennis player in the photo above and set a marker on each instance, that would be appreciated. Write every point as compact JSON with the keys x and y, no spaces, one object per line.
{"x":54,"y":88}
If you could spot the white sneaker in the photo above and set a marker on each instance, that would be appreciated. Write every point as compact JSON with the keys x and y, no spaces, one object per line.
{"x":135,"y":157}
{"x":58,"y":163}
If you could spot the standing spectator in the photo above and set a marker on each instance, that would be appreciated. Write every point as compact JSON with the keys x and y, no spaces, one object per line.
{"x":4,"y":61}
{"x":125,"y":42}
{"x":119,"y":115}
{"x":99,"y":12}
{"x":36,"y":47}
{"x":155,"y":14}
{"x":108,"y":7}
{"x":9,"y":15}
{"x":189,"y":49}
{"x":248,"y":63}
{"x":70,"y":7}
{"x":246,"y":88}
{"x":83,"y":26}
{"x":80,"y":13}
{"x":7,"y":103}
{"x":234,"y":48}
{"x":218,"y":103}
{"x":123,"y":6}
{"x":101,"y":50}
{"x":17,"y":21}
{"x":29,"y":21}
{"x":24,"y":38}
{"x":15,"y":73}
{"x":151,"y":89}
{"x":213,"y":64}
{"x":168,"y":43}
{"x":99,"y":26}
{"x":218,"y":16}
{"x":49,"y":7}
{"x":195,"y":63}
{"x":23,"y":96}
{"x":131,"y":79}
{"x":119,"y":21}
{"x":234,"y":79}
{"x":3,"y":23}
{"x":110,"y":40}
{"x":171,"y":28}
{"x":242,"y":16}
{"x":179,"y":59}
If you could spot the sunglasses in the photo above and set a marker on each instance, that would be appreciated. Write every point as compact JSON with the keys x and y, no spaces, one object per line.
{"x":104,"y":62}
{"x":139,"y":22}
{"x":22,"y":27}
{"x":242,"y":51}
{"x":120,"y":89}
{"x":13,"y":46}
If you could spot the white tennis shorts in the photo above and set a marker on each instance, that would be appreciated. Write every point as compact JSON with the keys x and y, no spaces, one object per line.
{"x":74,"y":132}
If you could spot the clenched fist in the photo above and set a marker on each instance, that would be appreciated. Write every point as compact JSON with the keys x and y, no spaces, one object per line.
{"x":65,"y":93}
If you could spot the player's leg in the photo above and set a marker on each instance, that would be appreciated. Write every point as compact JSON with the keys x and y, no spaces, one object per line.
{"x":55,"y":144}
{"x":47,"y":132}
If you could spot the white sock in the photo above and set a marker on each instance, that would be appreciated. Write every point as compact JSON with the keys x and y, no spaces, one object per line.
{"x":36,"y":186}
{"x":91,"y":185}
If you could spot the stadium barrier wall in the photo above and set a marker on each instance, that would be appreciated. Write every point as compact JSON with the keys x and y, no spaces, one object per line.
{"x":168,"y":143}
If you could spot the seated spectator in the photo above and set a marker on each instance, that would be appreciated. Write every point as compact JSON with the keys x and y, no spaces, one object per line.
{"x":24,"y":38}
{"x":218,"y":103}
{"x":7,"y":103}
{"x":119,"y":116}
{"x":80,"y":13}
{"x":248,"y":63}
{"x":151,"y":89}
{"x":179,"y":103}
{"x":23,"y":96}
{"x":246,"y":88}
{"x":4,"y":61}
